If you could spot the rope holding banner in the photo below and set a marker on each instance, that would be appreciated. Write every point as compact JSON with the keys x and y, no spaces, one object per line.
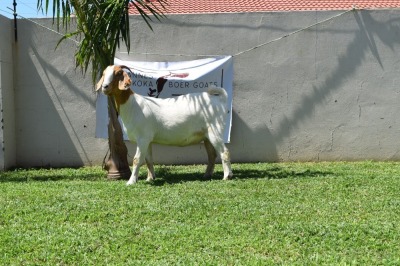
{"x":354,"y":8}
{"x":294,"y":32}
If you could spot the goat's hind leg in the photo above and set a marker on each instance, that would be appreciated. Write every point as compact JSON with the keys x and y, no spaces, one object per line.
{"x":220,"y":147}
{"x":226,"y":163}
{"x":212,"y":155}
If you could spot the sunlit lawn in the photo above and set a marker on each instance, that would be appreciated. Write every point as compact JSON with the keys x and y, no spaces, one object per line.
{"x":280,"y":213}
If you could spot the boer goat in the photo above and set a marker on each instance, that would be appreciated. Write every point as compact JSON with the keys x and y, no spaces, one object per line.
{"x":179,"y":121}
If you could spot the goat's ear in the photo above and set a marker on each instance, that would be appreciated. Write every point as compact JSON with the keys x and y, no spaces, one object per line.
{"x":123,"y":88}
{"x":98,"y":86}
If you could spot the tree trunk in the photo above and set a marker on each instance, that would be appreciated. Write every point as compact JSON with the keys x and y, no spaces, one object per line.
{"x":117,"y":164}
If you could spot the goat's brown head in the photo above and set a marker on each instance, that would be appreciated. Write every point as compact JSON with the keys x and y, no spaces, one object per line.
{"x":114,"y":80}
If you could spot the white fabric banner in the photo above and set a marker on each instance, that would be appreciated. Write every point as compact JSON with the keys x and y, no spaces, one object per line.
{"x":169,"y":79}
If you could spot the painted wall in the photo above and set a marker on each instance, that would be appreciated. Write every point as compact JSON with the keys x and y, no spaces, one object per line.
{"x":54,"y":102}
{"x":330,"y":92}
{"x":7,"y":117}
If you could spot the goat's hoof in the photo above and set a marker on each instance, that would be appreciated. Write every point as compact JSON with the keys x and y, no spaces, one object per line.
{"x":150,"y":179}
{"x":129,"y":183}
{"x":228,"y":177}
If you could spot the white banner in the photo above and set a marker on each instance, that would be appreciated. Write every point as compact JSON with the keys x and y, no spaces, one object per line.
{"x":169,"y":79}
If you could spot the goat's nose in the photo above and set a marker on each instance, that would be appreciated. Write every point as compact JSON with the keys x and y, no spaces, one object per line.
{"x":104,"y":88}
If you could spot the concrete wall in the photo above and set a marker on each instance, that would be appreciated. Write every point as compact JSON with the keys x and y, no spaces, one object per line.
{"x":327,"y":93}
{"x":54,"y":102}
{"x":7,"y":117}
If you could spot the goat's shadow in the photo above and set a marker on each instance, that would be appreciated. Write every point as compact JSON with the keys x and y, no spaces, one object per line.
{"x":165,"y":176}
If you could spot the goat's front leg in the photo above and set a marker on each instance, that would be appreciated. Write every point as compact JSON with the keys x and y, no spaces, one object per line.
{"x":150,"y":166}
{"x":138,"y":160}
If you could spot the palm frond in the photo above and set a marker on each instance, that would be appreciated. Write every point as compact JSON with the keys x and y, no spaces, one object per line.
{"x":101,"y":25}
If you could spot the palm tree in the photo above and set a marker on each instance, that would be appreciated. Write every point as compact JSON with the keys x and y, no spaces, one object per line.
{"x":101,"y":25}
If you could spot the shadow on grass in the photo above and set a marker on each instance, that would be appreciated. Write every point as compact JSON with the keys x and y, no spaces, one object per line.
{"x":43,"y":175}
{"x":166,"y":176}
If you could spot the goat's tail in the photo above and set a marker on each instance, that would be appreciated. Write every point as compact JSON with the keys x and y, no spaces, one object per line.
{"x":218,"y":91}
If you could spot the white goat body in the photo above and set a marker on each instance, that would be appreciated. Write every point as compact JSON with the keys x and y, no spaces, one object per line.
{"x":178,"y":121}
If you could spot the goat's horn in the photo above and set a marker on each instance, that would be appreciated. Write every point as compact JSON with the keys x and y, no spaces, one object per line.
{"x":123,"y":66}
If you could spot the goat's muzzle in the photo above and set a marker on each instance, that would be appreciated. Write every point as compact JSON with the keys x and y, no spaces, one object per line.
{"x":106,"y":89}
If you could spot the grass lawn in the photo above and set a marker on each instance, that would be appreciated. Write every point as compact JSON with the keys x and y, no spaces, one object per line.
{"x":279,"y":213}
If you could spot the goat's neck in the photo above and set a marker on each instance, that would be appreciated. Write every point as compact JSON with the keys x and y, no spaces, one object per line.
{"x":122,"y":98}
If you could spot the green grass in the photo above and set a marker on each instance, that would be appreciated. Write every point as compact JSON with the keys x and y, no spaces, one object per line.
{"x":281,"y":213}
